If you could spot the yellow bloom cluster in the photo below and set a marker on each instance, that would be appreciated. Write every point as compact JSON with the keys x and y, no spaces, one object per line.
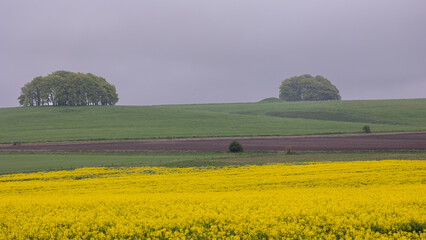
{"x":350,"y":200}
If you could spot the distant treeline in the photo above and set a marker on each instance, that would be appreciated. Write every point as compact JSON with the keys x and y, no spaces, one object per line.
{"x":64,"y":88}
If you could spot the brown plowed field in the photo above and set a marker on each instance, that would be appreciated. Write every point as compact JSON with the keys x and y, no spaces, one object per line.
{"x":353,"y":142}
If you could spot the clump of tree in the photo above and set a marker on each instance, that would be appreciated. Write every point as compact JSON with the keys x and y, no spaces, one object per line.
{"x":64,"y":88}
{"x":308,"y":88}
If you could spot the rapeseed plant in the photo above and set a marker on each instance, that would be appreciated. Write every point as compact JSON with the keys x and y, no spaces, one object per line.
{"x":356,"y":200}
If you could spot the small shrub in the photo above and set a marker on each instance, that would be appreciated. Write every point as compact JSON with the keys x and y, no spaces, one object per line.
{"x":366,"y":129}
{"x":288,"y":150}
{"x":235,"y":147}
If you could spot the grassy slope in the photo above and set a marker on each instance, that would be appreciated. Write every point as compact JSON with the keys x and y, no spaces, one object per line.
{"x":14,"y":162}
{"x":393,"y":112}
{"x":32,"y":124}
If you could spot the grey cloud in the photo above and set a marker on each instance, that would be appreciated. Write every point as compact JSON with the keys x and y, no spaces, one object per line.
{"x":166,"y":52}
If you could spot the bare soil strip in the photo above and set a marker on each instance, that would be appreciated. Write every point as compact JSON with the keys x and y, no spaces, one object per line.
{"x":353,"y":142}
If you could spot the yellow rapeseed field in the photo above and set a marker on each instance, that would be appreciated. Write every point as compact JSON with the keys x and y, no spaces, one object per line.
{"x":347,"y":200}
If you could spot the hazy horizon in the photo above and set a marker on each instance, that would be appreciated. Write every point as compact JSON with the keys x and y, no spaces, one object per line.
{"x":191,"y":52}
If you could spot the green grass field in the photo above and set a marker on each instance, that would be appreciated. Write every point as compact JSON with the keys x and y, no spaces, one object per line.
{"x":35,"y":124}
{"x":15,"y":162}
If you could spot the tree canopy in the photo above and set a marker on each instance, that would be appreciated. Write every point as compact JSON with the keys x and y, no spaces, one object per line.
{"x":308,"y":88}
{"x":64,"y":88}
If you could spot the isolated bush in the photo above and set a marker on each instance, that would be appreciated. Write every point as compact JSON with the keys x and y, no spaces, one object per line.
{"x":288,"y":150}
{"x":235,"y":147}
{"x":366,"y":129}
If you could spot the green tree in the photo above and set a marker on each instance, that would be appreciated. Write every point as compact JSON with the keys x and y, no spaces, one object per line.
{"x":308,"y":88}
{"x":64,"y":88}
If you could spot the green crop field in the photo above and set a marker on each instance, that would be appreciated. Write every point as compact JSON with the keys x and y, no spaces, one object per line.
{"x":15,"y":162}
{"x":35,"y":124}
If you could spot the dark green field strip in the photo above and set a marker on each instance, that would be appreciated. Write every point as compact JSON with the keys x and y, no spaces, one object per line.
{"x":401,"y":111}
{"x":15,"y":162}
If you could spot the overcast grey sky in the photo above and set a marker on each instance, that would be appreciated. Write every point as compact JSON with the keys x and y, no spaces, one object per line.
{"x":170,"y":52}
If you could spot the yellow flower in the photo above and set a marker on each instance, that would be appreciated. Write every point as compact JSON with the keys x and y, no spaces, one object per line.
{"x":357,"y":200}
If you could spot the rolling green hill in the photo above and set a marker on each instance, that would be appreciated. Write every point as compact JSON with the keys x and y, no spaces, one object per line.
{"x":34,"y":124}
